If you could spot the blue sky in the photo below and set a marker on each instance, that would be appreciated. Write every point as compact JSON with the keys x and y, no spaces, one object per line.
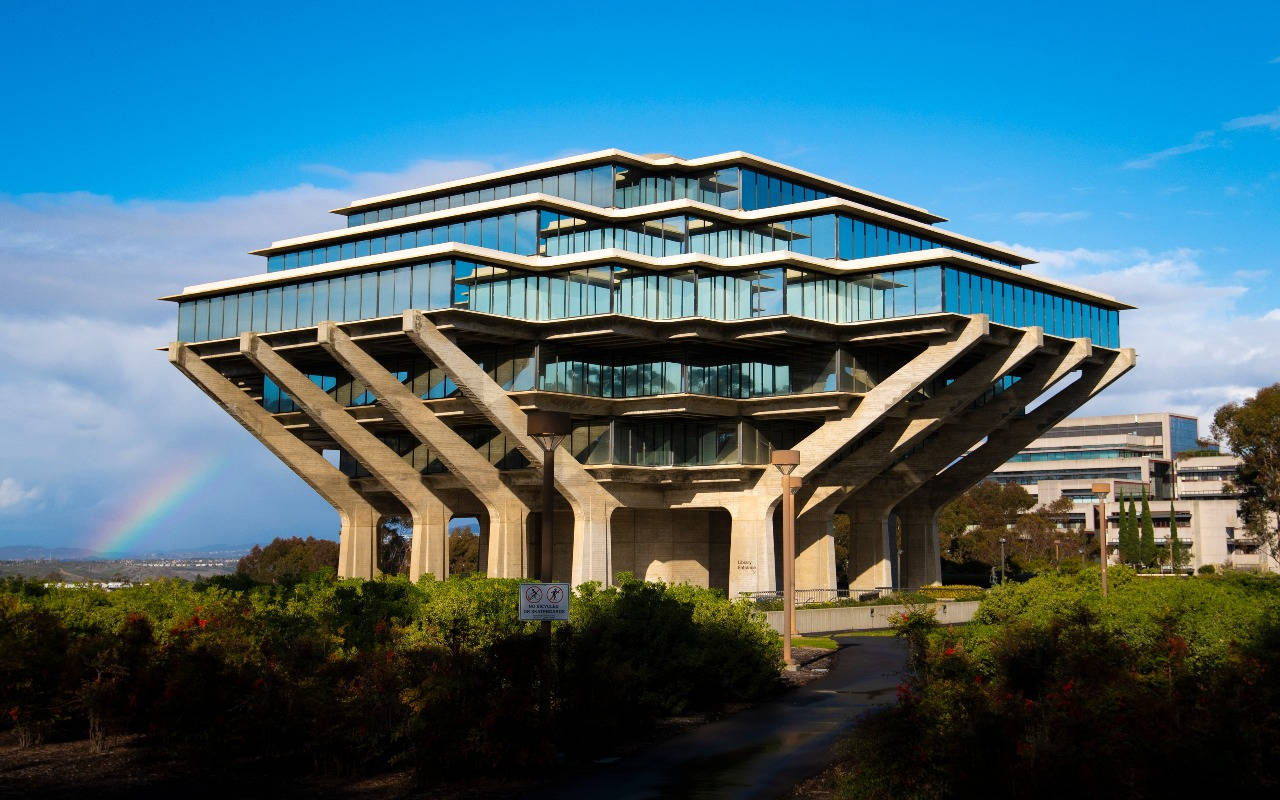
{"x":1132,"y":148}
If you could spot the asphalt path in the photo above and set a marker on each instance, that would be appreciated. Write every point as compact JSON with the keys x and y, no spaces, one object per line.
{"x":762,"y":752}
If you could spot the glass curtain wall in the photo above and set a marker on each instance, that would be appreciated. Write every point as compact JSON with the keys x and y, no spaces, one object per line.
{"x":548,"y":233}
{"x":647,"y":294}
{"x":618,"y":186}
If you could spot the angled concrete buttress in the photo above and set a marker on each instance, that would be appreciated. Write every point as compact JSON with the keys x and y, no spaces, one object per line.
{"x":357,"y":543}
{"x":815,"y":545}
{"x":919,"y":508}
{"x":507,"y":512}
{"x":388,"y":468}
{"x":871,"y":506}
{"x":592,"y":505}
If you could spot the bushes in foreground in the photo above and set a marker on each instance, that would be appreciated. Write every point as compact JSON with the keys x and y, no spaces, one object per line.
{"x":347,"y":676}
{"x":1164,"y":688}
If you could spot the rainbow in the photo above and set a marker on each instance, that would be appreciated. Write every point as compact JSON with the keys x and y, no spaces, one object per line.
{"x":151,"y":504}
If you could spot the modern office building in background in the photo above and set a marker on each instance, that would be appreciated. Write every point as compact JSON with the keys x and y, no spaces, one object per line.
{"x":1160,"y":455}
{"x":691,"y":315}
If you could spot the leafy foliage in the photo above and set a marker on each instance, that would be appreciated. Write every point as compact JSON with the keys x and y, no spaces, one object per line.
{"x":289,"y":560}
{"x":464,"y":552}
{"x":1252,"y":430}
{"x":1066,"y":693}
{"x":344,"y":676}
{"x":970,"y":529}
{"x":1147,"y":541}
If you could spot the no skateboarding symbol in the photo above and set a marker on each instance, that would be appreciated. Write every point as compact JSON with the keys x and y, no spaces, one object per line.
{"x":544,"y":601}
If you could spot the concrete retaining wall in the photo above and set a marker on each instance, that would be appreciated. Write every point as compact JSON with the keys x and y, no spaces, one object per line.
{"x":867,"y":618}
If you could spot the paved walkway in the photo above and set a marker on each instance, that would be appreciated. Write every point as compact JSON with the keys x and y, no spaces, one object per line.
{"x":762,"y":752}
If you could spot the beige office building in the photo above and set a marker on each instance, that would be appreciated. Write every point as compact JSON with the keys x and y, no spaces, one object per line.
{"x":1158,"y":454}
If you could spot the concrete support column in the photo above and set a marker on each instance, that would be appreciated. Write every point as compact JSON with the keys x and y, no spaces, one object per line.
{"x":429,"y":552}
{"x":592,"y":505}
{"x":357,"y":542}
{"x":869,"y":546}
{"x":592,"y":552}
{"x":383,"y":463}
{"x":507,"y":512}
{"x":815,"y":552}
{"x":751,"y":549}
{"x":921,"y":561}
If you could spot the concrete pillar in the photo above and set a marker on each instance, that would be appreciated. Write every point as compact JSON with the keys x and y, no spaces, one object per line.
{"x":386,"y":466}
{"x":357,"y":539}
{"x":592,"y":505}
{"x":869,"y":545}
{"x":921,"y":560}
{"x":815,"y":553}
{"x":751,"y":548}
{"x":429,"y":552}
{"x":507,"y":512}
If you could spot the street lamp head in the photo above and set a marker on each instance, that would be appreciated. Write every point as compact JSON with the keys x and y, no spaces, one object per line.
{"x":785,"y":460}
{"x":549,"y":428}
{"x":1002,"y":540}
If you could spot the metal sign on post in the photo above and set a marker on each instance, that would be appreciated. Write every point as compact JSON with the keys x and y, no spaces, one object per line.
{"x":544,"y":601}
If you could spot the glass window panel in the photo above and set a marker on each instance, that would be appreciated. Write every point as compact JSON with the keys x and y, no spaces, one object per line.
{"x":420,"y":287}
{"x":527,"y":232}
{"x":187,"y":321}
{"x":229,"y":316}
{"x":402,"y":294}
{"x":319,"y":302}
{"x":347,"y":296}
{"x":201,"y":320}
{"x":289,"y":307}
{"x":275,"y":263}
{"x":386,"y":293}
{"x":489,"y":233}
{"x":824,"y":236}
{"x":306,"y":307}
{"x":215,"y":317}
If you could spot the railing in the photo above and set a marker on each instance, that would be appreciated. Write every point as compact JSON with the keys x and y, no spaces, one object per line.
{"x":809,"y":596}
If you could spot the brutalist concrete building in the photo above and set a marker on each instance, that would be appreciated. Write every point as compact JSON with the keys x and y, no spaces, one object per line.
{"x":691,"y":315}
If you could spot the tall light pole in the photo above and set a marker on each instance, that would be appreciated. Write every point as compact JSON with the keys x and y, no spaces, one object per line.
{"x":548,"y":429}
{"x":786,"y":461}
{"x":1102,"y":489}
{"x":1002,"y":559}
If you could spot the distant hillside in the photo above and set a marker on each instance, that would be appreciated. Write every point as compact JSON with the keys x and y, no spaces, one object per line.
{"x":31,"y":552}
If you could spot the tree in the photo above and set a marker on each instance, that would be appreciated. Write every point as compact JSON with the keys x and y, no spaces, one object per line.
{"x":289,"y":560}
{"x":394,"y":534}
{"x":1251,"y":430}
{"x":1177,"y":557}
{"x":1147,"y":544}
{"x":1128,"y":544}
{"x":464,"y":551}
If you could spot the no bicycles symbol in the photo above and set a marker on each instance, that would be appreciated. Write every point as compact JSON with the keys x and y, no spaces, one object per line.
{"x":544,"y":601}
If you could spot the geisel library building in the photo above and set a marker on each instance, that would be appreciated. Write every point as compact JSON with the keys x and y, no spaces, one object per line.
{"x":692,"y":315}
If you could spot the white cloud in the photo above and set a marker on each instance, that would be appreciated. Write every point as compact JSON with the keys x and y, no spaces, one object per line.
{"x":1270,"y":120}
{"x":1275,"y":60}
{"x":13,"y":496}
{"x":1201,"y":141}
{"x":93,"y":415}
{"x":1196,"y":351}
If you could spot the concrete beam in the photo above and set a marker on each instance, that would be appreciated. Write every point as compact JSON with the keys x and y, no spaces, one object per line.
{"x":507,"y":513}
{"x":357,"y":542}
{"x":592,"y":505}
{"x":383,"y":463}
{"x":900,"y":435}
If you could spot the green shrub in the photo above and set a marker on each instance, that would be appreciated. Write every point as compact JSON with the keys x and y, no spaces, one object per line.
{"x":1205,"y":569}
{"x":1067,"y":693}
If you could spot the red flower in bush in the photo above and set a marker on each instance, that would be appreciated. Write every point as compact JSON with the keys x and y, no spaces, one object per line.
{"x":13,"y":713}
{"x":951,"y":651}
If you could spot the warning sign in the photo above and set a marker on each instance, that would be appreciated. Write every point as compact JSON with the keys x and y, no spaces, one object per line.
{"x":544,"y":601}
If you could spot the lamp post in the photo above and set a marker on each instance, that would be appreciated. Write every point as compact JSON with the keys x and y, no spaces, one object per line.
{"x":1081,"y":550}
{"x":1002,"y":540}
{"x":548,"y":429}
{"x":1102,"y":489}
{"x":1057,"y":559}
{"x":786,"y":461}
